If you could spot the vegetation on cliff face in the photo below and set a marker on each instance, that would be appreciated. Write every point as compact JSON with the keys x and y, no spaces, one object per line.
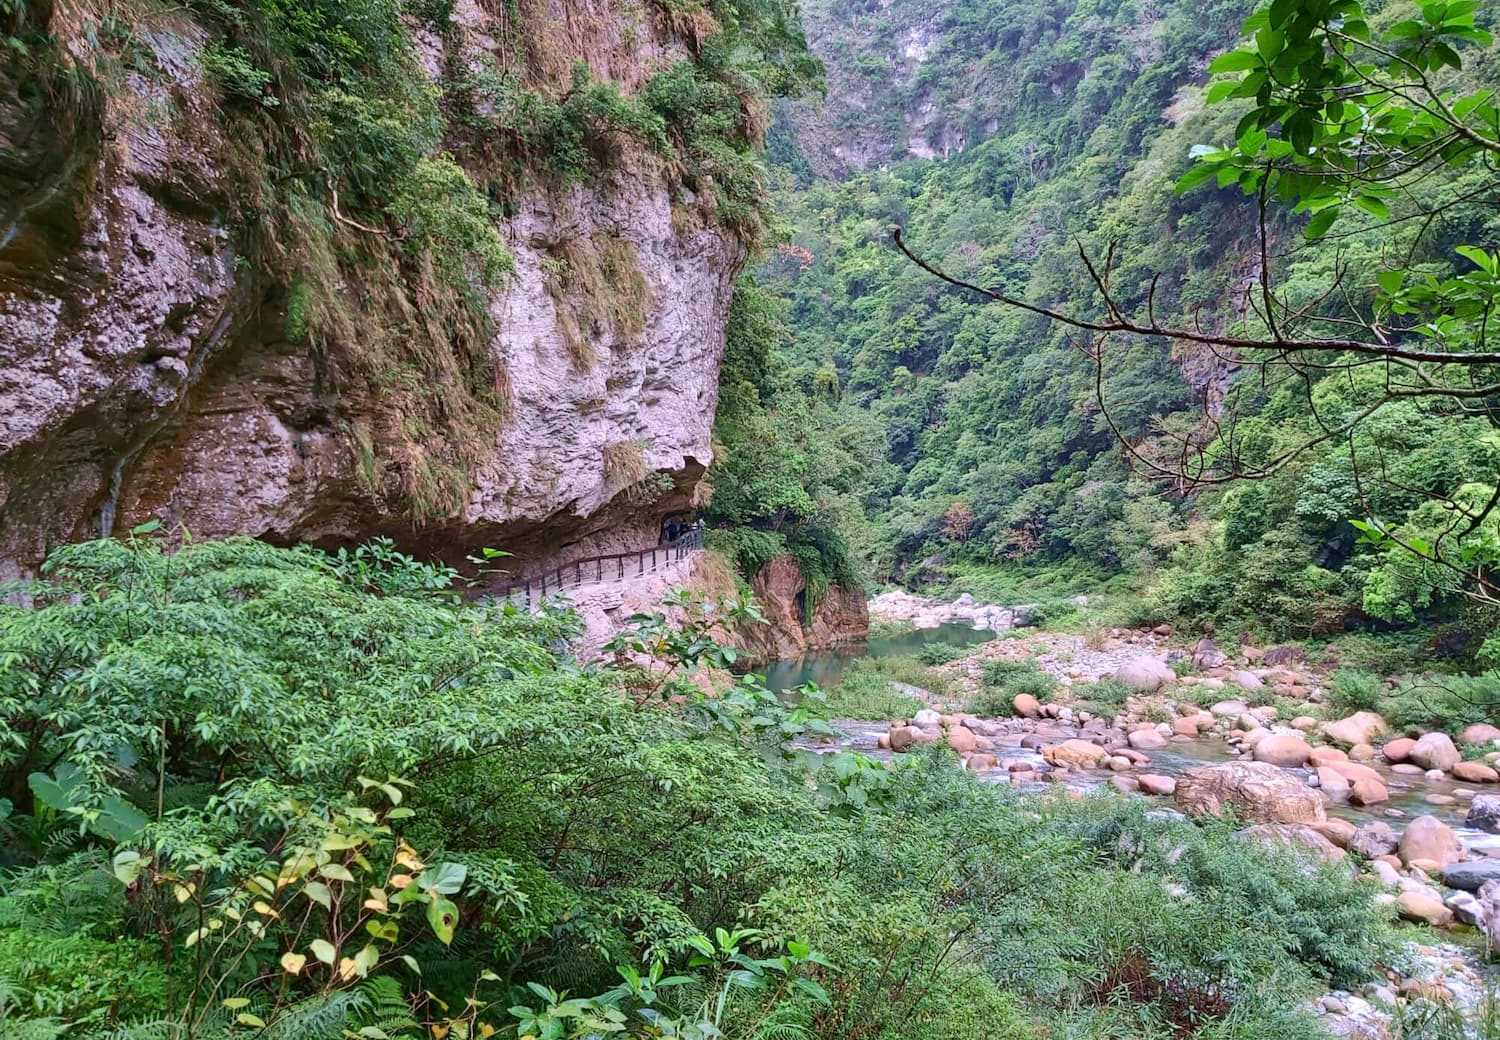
{"x":1002,"y":457}
{"x":370,"y":152}
{"x":252,"y":791}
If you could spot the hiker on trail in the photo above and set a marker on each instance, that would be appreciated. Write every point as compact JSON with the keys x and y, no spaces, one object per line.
{"x":672,"y":530}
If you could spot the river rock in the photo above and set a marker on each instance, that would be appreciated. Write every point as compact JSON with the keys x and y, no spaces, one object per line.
{"x":1282,"y":749}
{"x":1027,"y":706}
{"x":1435,"y":751}
{"x":1246,"y":680}
{"x":1424,"y":905}
{"x":1227,"y":708}
{"x":1257,"y":791}
{"x":1360,"y":728}
{"x":1147,"y":740}
{"x":1299,"y":836}
{"x":1145,"y":674}
{"x":1480,"y":733}
{"x":1484,"y":813}
{"x":926,"y":717}
{"x":1155,"y":783}
{"x":1078,"y":754}
{"x":1428,"y":839}
{"x":1322,"y":756}
{"x":962,"y":740}
{"x":1471,"y":875}
{"x":1475,"y":773}
{"x":1333,"y":784}
{"x":1373,"y":839}
{"x":1397,"y":750}
{"x":1386,"y":874}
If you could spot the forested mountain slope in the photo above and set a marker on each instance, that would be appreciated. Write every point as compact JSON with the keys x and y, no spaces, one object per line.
{"x":1067,"y":127}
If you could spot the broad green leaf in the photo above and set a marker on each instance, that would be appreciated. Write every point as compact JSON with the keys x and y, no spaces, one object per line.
{"x":442,"y":916}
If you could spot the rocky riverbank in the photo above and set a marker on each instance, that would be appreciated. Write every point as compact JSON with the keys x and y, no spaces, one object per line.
{"x":1248,"y":732}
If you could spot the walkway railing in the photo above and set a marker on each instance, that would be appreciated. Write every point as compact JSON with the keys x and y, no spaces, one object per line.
{"x":596,"y":570}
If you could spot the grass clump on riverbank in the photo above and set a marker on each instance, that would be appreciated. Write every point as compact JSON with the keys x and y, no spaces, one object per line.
{"x":865,"y":690}
{"x":1002,"y":681}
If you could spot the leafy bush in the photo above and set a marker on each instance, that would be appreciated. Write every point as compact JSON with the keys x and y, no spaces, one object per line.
{"x":1002,"y":681}
{"x":1105,"y":697}
{"x":940,"y":653}
{"x":1444,"y":702}
{"x":1350,"y":690}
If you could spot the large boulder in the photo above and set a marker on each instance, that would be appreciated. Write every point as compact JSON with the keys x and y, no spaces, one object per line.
{"x":1360,"y":728}
{"x":1472,"y":875}
{"x":1475,"y":773}
{"x":1145,"y":673}
{"x":1283,"y":749}
{"x":1027,"y":706}
{"x":1373,"y":839}
{"x":1480,"y":734}
{"x":1398,"y":750}
{"x":1300,"y":837}
{"x":1256,"y":791}
{"x":1076,"y":754}
{"x":1435,"y":751}
{"x":1484,"y":813}
{"x":1428,"y":839}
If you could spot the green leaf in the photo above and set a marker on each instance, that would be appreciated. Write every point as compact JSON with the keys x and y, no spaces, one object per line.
{"x":323,"y":950}
{"x":318,"y":893}
{"x":1322,"y":221}
{"x":128,"y":865}
{"x":446,"y":880}
{"x":1479,"y":258}
{"x":1234,"y":61}
{"x":442,"y":916}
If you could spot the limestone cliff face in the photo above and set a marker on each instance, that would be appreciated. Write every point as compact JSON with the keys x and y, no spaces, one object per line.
{"x":840,"y":617}
{"x":143,"y":375}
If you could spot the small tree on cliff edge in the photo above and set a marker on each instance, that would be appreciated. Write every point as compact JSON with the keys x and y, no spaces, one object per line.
{"x":1341,"y":119}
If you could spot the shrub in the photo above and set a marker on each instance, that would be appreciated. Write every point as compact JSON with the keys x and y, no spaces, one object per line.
{"x":940,"y":653}
{"x":1106,"y":697}
{"x":1351,"y":690}
{"x":1003,"y":681}
{"x":1445,"y":702}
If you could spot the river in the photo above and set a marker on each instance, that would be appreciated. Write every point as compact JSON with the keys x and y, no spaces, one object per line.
{"x":826,"y":668}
